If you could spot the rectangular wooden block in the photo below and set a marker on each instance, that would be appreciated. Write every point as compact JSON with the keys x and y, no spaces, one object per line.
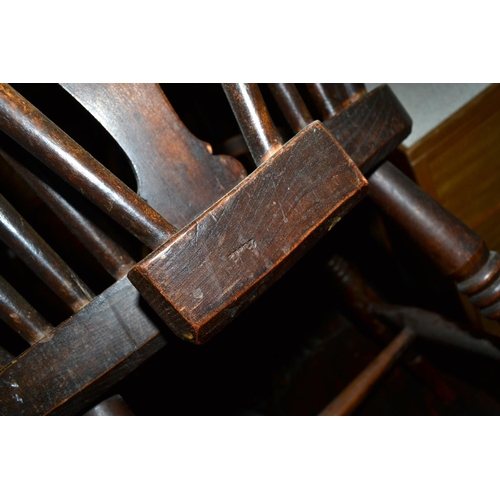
{"x":199,"y":280}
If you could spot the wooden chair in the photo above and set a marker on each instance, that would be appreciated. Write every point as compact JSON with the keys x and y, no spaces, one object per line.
{"x":226,"y":253}
{"x":69,"y":366}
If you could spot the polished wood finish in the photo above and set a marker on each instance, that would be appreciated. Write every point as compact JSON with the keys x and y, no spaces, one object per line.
{"x":114,"y":406}
{"x":176,"y":172}
{"x":292,"y":105}
{"x":25,"y":242}
{"x":200,"y":279}
{"x":20,"y":316}
{"x":107,"y":252}
{"x":356,"y":392}
{"x":261,"y":136}
{"x":47,"y":142}
{"x":457,"y":250}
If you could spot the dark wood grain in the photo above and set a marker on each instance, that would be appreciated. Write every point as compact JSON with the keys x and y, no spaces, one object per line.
{"x":36,"y":133}
{"x":20,"y":316}
{"x":199,"y":280}
{"x":367,"y":130}
{"x":25,"y":242}
{"x":261,"y":136}
{"x":371,"y":127}
{"x":176,"y":172}
{"x":107,"y":251}
{"x":82,"y":357}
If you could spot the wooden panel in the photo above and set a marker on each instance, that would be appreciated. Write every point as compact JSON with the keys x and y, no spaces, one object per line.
{"x":458,"y":164}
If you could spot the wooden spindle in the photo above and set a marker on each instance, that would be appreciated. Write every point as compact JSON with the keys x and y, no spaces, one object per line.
{"x":25,"y":242}
{"x":36,"y":133}
{"x":330,"y":98}
{"x":20,"y":316}
{"x":107,"y":252}
{"x":457,"y":250}
{"x":255,"y":122}
{"x":357,"y":391}
{"x":292,"y":105}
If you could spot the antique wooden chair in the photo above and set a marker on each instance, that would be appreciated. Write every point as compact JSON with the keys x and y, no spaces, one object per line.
{"x":236,"y":238}
{"x":230,"y":253}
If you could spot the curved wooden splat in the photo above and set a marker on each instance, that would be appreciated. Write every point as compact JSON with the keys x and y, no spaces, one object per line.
{"x":176,"y":172}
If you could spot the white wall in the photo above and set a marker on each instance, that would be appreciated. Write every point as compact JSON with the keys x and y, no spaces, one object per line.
{"x":429,"y":104}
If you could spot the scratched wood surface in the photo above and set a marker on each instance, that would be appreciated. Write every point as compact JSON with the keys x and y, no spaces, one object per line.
{"x":200,"y":279}
{"x":82,"y":357}
{"x":176,"y":172}
{"x":371,"y":127}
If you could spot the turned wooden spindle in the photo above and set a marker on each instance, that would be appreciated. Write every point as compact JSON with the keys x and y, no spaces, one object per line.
{"x":114,"y":259}
{"x":25,"y":242}
{"x":457,"y":250}
{"x":20,"y":316}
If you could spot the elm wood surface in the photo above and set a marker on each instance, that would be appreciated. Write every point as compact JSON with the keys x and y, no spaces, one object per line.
{"x":20,"y":316}
{"x":354,"y":394}
{"x":114,"y":406}
{"x":53,"y":147}
{"x":457,"y":250}
{"x":200,"y":279}
{"x":25,"y":242}
{"x":107,"y":252}
{"x":83,"y":356}
{"x":176,"y":172}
